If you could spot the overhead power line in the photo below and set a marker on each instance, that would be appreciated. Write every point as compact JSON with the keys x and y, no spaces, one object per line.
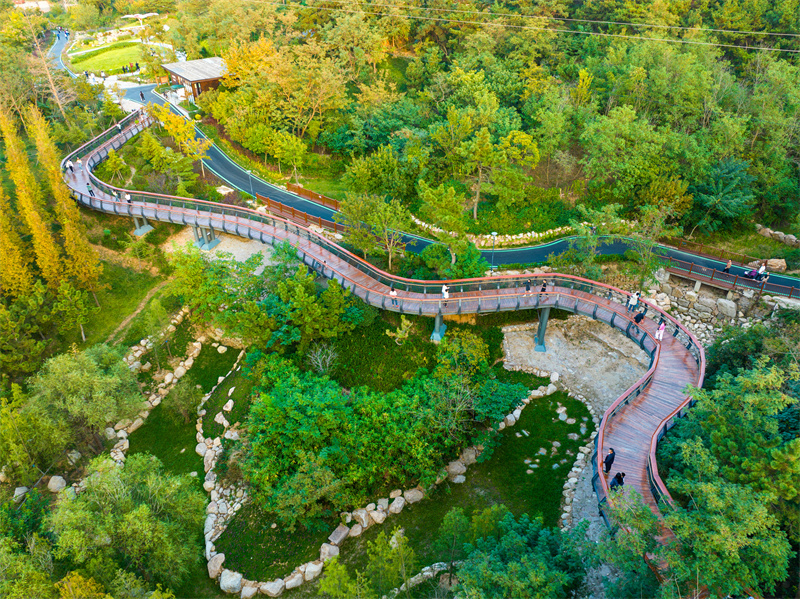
{"x":565,"y":19}
{"x":527,"y":27}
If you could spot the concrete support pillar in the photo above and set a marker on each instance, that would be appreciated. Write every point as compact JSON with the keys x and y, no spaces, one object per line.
{"x":697,"y":286}
{"x":544,"y":314}
{"x":438,"y":328}
{"x":142,"y":226}
{"x":205,"y":238}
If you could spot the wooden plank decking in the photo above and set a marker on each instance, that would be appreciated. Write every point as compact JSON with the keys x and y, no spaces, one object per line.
{"x":631,"y":423}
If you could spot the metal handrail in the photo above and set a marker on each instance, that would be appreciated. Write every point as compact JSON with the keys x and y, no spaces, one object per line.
{"x":506,"y":290}
{"x":735,"y":281}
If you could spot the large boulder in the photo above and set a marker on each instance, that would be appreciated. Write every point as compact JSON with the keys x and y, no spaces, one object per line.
{"x":727,"y":308}
{"x":56,"y":484}
{"x":356,"y":530}
{"x":215,"y":565}
{"x":776,"y":265}
{"x":362,"y":517}
{"x":339,"y":535}
{"x":19,"y":494}
{"x":377,"y":516}
{"x":294,"y":580}
{"x":313,"y":569}
{"x":397,"y":505}
{"x":179,"y":372}
{"x":456,"y":467}
{"x":230,"y":582}
{"x":272,"y":589}
{"x":413,"y":495}
{"x":328,"y":551}
{"x":249,"y":591}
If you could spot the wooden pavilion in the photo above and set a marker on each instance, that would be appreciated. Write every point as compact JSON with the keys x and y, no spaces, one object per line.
{"x":196,"y":76}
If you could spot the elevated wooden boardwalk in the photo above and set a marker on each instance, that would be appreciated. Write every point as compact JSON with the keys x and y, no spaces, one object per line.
{"x":632,"y":425}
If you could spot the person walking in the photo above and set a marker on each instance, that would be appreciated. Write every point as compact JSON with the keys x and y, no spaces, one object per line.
{"x":127,"y":197}
{"x":141,"y":96}
{"x":761,"y":270}
{"x":617,"y":481}
{"x":393,"y":294}
{"x":608,"y":461}
{"x":727,"y":269}
{"x":660,"y":332}
{"x":544,"y":288}
{"x":70,"y":166}
{"x":527,"y":288}
{"x":637,"y":321}
{"x":445,"y":293}
{"x":633,"y":302}
{"x":80,"y":164}
{"x":89,"y":188}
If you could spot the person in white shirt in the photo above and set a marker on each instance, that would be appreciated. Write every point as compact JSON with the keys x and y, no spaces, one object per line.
{"x":393,"y":295}
{"x":445,"y":293}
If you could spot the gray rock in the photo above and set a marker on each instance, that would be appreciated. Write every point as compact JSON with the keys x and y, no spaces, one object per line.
{"x":314,"y":569}
{"x":73,"y":456}
{"x":272,"y":589}
{"x":395,"y":494}
{"x":135,"y":425}
{"x":56,"y":484}
{"x":377,"y":516}
{"x":397,"y":505}
{"x":230,"y":582}
{"x":413,"y":495}
{"x":222,"y":349}
{"x":468,"y":456}
{"x":551,"y":388}
{"x":328,"y":551}
{"x":179,"y":372}
{"x":459,"y":479}
{"x":110,"y":433}
{"x":356,"y":530}
{"x":249,"y":591}
{"x":456,"y":467}
{"x":215,"y":565}
{"x":339,"y":535}
{"x":228,"y":405}
{"x":294,"y":580}
{"x":383,"y":504}
{"x":19,"y":494}
{"x":361,"y":516}
{"x":200,"y":449}
{"x":146,"y":367}
{"x":168,"y":378}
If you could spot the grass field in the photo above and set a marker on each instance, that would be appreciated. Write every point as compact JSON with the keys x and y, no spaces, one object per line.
{"x":110,"y":59}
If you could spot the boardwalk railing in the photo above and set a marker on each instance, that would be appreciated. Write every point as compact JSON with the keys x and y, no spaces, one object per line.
{"x":299,"y":216}
{"x":313,"y":196}
{"x":712,"y":276}
{"x":709,"y":251}
{"x":478,"y":295}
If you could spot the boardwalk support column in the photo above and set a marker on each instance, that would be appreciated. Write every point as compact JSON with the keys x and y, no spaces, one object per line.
{"x":205,"y":238}
{"x":544,"y":314}
{"x":438,"y":328}
{"x":142,"y":227}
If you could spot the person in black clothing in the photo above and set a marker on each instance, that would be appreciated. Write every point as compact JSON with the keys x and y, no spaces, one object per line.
{"x":528,"y":287}
{"x":617,"y":481}
{"x":141,"y":96}
{"x":638,"y":319}
{"x":544,"y":287}
{"x":609,"y":459}
{"x":137,"y":66}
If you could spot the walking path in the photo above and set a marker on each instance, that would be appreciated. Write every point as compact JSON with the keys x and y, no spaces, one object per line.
{"x":631,"y":425}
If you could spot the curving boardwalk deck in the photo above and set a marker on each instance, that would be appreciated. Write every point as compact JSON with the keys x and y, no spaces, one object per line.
{"x":632,"y":425}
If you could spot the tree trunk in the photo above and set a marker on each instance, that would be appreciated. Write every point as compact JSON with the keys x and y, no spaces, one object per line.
{"x":452,"y":256}
{"x":83,"y":335}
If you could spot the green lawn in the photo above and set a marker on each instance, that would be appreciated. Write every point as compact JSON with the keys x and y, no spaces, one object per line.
{"x":124,"y":289}
{"x":110,"y":59}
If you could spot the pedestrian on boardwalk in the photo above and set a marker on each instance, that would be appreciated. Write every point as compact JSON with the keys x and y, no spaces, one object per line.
{"x":761,"y":270}
{"x":660,"y":332}
{"x":727,"y":269}
{"x":393,"y":294}
{"x":89,"y":188}
{"x":445,"y":293}
{"x":638,"y":320}
{"x":70,"y":166}
{"x":617,"y":481}
{"x":608,"y":461}
{"x":527,"y":287}
{"x":119,"y":128}
{"x":80,"y":164}
{"x":141,"y":95}
{"x":633,"y":302}
{"x":544,"y":288}
{"x":127,"y":197}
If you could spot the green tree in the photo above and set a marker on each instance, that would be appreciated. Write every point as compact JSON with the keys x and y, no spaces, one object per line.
{"x":72,"y":308}
{"x":723,"y":198}
{"x":651,"y":226}
{"x":290,"y":149}
{"x":137,"y":516}
{"x":15,"y":276}
{"x":182,"y":400}
{"x":86,"y":390}
{"x":354,"y":213}
{"x":444,"y":208}
{"x":453,"y":535}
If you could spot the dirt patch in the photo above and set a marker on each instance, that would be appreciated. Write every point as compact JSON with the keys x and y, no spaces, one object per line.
{"x":240,"y":248}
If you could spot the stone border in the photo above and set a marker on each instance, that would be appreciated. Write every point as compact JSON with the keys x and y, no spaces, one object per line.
{"x":582,"y":459}
{"x":785,"y":238}
{"x":501,"y":240}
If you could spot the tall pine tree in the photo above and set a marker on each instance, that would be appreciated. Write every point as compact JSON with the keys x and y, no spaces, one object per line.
{"x":82,"y":261}
{"x":15,"y":277}
{"x":29,"y":202}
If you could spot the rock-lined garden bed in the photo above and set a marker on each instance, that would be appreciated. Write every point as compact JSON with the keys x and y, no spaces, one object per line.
{"x":786,"y":238}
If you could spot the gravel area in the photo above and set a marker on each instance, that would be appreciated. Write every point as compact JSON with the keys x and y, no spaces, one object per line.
{"x":238,"y":247}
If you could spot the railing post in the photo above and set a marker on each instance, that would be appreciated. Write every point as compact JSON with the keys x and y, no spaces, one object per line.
{"x":691,"y":266}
